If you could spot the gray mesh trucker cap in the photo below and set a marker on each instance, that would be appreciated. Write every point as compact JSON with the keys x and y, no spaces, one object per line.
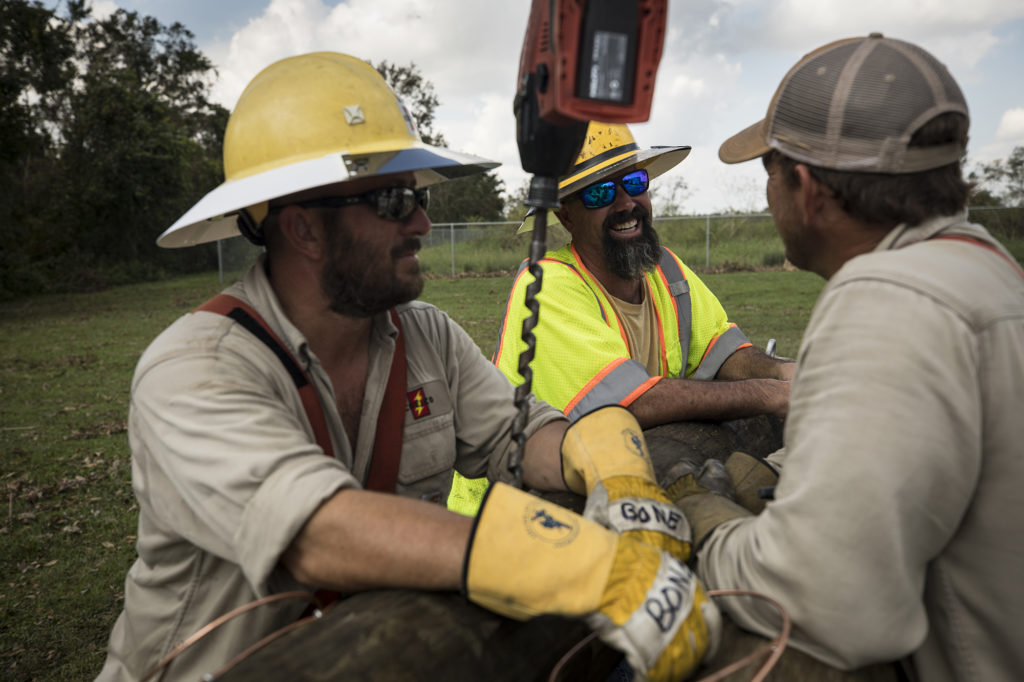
{"x":853,"y":105}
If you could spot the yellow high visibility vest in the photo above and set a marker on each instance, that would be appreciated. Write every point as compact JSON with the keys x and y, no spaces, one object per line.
{"x":582,"y":359}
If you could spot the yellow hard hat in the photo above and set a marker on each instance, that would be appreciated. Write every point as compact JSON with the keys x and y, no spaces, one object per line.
{"x":609,"y":149}
{"x":304,"y":122}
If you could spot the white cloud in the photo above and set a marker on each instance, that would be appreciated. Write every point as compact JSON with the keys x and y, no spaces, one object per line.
{"x":810,"y":22}
{"x":959,"y":34}
{"x":1011,"y":127}
{"x":717,"y":187}
{"x":468,"y":51}
{"x":682,"y":84}
{"x":722,"y":60}
{"x":101,"y":9}
{"x":489,"y":131}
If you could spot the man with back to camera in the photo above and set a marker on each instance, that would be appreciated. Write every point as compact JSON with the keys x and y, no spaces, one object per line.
{"x":897,"y":526}
{"x":300,"y":431}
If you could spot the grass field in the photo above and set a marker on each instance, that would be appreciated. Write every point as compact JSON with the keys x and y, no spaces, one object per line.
{"x":68,"y":533}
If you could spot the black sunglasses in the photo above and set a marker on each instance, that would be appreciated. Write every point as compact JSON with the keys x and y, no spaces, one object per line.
{"x":392,"y":203}
{"x":600,"y":194}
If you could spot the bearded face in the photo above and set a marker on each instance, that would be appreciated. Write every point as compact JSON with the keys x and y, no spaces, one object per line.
{"x":630,"y":259}
{"x":363,"y":276}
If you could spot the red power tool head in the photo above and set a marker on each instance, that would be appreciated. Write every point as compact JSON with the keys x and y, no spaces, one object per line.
{"x":584,"y":60}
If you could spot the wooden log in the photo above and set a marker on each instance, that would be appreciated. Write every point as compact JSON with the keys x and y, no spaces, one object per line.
{"x":698,"y":441}
{"x":403,"y":635}
{"x":419,"y":636}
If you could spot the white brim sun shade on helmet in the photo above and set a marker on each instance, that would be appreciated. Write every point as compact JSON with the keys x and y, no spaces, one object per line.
{"x":215,"y":216}
{"x":309,"y":121}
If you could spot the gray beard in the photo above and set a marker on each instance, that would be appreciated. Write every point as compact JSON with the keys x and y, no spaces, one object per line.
{"x":630,"y":260}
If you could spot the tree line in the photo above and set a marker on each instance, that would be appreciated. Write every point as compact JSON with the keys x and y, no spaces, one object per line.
{"x":108,"y":135}
{"x":999,"y":183}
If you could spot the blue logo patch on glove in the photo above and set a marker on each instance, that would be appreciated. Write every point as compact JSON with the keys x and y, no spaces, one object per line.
{"x":550,"y":523}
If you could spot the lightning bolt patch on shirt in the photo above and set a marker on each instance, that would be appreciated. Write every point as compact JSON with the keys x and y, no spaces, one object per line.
{"x":418,"y":403}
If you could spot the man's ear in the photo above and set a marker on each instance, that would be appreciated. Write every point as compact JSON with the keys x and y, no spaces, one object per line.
{"x":302,"y":231}
{"x":812,"y":194}
{"x":564,"y":216}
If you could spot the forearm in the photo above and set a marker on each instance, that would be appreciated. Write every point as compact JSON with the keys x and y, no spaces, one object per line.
{"x":753,"y":363}
{"x":833,"y":566}
{"x":360,"y":540}
{"x":687,"y":400}
{"x":542,"y":459}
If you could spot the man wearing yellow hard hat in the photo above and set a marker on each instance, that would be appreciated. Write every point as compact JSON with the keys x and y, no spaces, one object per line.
{"x":299,"y":432}
{"x":623,"y":320}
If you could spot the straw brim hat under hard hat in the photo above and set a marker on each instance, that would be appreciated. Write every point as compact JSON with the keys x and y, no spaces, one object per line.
{"x":306,"y":122}
{"x":609,"y":149}
{"x":853,"y":105}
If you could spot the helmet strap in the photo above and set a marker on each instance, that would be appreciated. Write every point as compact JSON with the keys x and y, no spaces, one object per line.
{"x":249,"y":228}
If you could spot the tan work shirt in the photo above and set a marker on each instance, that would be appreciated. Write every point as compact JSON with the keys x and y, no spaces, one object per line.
{"x":640,"y":324}
{"x":227,"y":471}
{"x":898,"y":524}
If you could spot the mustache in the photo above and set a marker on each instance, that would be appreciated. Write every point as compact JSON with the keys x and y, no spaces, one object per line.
{"x":639,"y":213}
{"x":410,"y":245}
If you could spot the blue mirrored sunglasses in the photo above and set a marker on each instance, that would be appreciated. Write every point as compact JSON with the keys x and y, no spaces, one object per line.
{"x":392,"y":203}
{"x":601,"y":194}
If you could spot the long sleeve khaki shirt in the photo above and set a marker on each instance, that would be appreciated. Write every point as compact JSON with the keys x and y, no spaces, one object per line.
{"x":897,"y":528}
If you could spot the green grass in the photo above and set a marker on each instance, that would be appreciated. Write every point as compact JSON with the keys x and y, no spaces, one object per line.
{"x":774,"y":304}
{"x":767,"y":304}
{"x":68,"y":530}
{"x":476,"y":303}
{"x":475,"y":257}
{"x":66,"y":362}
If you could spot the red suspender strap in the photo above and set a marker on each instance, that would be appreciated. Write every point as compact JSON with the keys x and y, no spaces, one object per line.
{"x":243,"y":314}
{"x":982,"y":244}
{"x":387,"y":444}
{"x":387,"y":448}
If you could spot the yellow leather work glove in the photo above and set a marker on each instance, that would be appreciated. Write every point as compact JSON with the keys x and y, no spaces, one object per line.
{"x":605,"y":457}
{"x":528,"y":557}
{"x":750,"y":475}
{"x":692,"y":490}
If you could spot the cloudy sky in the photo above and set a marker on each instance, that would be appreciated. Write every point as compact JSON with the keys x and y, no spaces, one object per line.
{"x":722,"y":61}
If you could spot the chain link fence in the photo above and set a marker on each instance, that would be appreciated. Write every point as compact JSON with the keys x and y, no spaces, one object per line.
{"x":710,"y":243}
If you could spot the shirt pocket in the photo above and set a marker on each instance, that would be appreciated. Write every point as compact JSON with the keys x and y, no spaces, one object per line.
{"x":428,"y":459}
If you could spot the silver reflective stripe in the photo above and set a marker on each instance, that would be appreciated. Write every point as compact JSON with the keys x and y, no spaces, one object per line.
{"x":612,"y":389}
{"x":725,"y":346}
{"x":680,"y":290}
